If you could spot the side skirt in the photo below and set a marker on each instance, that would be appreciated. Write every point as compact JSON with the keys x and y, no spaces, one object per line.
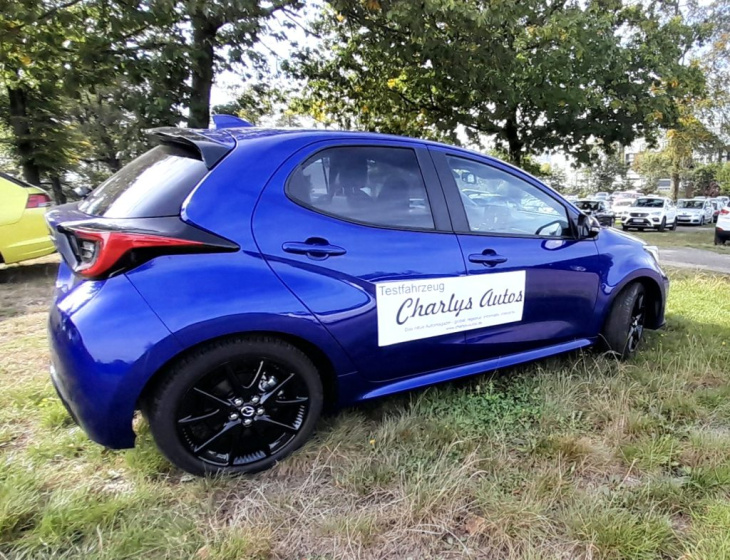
{"x":475,"y":368}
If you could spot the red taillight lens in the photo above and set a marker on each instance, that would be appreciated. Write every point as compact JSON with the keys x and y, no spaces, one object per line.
{"x":38,"y":201}
{"x":725,"y":211}
{"x":98,"y":252}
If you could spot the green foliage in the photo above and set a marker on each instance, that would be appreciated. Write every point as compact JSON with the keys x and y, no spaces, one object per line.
{"x":539,"y":76}
{"x":652,"y":166}
{"x":723,"y":178}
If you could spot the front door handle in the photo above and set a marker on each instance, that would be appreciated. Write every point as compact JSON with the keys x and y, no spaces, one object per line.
{"x":314,"y":247}
{"x":487,"y":258}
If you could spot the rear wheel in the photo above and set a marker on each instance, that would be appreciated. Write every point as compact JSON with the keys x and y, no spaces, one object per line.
{"x":624,"y":327}
{"x":236,"y":406}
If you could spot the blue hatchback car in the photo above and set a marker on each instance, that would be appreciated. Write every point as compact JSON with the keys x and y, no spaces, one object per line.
{"x":230,"y":283}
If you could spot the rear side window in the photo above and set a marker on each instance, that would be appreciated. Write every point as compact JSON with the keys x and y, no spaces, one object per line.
{"x":370,"y":185}
{"x":155,"y":184}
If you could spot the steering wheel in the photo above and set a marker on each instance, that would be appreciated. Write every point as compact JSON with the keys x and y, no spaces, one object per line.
{"x":561,"y":223}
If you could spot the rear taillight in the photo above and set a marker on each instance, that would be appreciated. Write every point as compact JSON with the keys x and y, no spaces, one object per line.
{"x":38,"y":201}
{"x":98,"y":253}
{"x":725,"y":211}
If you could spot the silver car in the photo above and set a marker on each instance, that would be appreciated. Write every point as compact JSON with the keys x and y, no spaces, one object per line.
{"x":694,"y":211}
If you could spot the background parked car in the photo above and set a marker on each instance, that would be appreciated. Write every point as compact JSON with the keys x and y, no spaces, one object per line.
{"x":23,"y":230}
{"x":722,"y":228}
{"x":621,"y":207}
{"x":651,"y":212}
{"x":598,"y":209}
{"x":694,"y":211}
{"x":716,"y":207}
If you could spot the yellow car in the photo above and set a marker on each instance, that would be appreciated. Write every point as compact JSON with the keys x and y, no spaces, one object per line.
{"x":23,"y":230}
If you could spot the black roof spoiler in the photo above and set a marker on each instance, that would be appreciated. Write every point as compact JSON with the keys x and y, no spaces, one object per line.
{"x":211,"y":144}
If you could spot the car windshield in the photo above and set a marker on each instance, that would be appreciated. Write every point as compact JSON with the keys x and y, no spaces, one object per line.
{"x":696,"y":204}
{"x":649,"y":202}
{"x":591,"y":205}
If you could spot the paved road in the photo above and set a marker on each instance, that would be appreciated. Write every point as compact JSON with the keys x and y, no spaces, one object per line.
{"x":686,"y":257}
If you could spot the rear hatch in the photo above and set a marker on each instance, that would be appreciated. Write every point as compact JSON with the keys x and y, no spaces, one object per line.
{"x":135,"y":214}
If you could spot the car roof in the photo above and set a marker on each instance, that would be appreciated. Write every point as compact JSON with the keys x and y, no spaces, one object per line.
{"x":247,"y":134}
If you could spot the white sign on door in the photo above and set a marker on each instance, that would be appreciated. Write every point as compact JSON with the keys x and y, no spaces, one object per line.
{"x":425,"y":308}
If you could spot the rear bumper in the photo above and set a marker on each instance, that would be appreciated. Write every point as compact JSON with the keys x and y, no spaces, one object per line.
{"x":103,"y":352}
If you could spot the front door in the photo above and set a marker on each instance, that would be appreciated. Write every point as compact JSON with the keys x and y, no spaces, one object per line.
{"x":539,"y":280}
{"x":361,"y":234}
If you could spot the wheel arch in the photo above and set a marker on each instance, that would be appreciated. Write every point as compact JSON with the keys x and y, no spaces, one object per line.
{"x":321,"y":361}
{"x":652,"y":288}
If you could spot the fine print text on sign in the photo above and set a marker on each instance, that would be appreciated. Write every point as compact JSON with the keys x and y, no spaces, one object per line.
{"x":425,"y":308}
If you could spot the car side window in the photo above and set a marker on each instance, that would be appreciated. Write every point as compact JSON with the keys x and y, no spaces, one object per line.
{"x":371,"y":185}
{"x":498,"y":202}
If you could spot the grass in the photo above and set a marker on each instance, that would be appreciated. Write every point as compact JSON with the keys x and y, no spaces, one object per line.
{"x":573,"y":457}
{"x":685,"y":236}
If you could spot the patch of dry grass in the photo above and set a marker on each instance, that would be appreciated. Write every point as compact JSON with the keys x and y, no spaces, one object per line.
{"x":572,"y":457}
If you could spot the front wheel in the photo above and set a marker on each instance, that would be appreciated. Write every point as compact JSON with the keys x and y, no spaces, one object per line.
{"x":674,"y":225}
{"x":624,"y":326}
{"x":663,"y":225}
{"x":236,"y":406}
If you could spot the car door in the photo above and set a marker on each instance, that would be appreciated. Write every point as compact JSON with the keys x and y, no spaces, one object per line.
{"x":357,"y":231}
{"x":522,"y":243}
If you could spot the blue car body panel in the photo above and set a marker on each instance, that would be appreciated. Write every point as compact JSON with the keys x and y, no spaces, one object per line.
{"x":109,"y":338}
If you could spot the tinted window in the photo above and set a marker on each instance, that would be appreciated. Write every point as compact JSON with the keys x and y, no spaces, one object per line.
{"x":691,"y":204}
{"x":379,"y":186}
{"x":497,"y":202}
{"x":649,"y":202}
{"x":154,"y":184}
{"x":589,"y":205}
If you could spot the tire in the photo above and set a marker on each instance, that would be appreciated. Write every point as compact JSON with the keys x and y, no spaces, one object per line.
{"x":702,"y":221}
{"x":200,"y":429}
{"x":674,"y":225}
{"x":663,"y":225}
{"x":624,"y":326}
{"x":625,"y":228}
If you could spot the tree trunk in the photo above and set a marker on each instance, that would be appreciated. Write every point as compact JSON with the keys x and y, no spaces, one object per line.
{"x":57,"y":189}
{"x":675,"y":184}
{"x":513,"y":140}
{"x":203,"y":53}
{"x":22,"y":137}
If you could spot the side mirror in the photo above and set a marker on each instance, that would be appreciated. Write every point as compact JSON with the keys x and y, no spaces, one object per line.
{"x":82,"y":192}
{"x":469,"y":178}
{"x":588,"y":226}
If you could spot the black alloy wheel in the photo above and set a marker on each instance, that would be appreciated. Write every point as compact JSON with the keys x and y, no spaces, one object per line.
{"x":236,"y":407}
{"x":624,"y":327}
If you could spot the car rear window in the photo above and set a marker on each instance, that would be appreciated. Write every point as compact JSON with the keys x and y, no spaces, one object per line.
{"x":154,"y":184}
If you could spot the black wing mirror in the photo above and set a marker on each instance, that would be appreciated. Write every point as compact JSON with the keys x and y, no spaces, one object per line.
{"x":588,"y":226}
{"x":82,"y":192}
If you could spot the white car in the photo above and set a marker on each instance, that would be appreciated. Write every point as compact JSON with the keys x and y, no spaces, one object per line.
{"x":621,"y":207}
{"x":651,"y":212}
{"x":694,"y":211}
{"x":722,"y":227}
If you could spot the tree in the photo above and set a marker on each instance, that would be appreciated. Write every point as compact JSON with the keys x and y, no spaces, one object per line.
{"x":652,"y":166}
{"x":723,"y":178}
{"x":609,"y":171}
{"x":703,"y":180}
{"x":537,"y":75}
{"x":233,"y":26}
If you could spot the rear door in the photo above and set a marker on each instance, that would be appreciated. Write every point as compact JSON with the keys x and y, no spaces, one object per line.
{"x":539,"y":282}
{"x":361,"y":234}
